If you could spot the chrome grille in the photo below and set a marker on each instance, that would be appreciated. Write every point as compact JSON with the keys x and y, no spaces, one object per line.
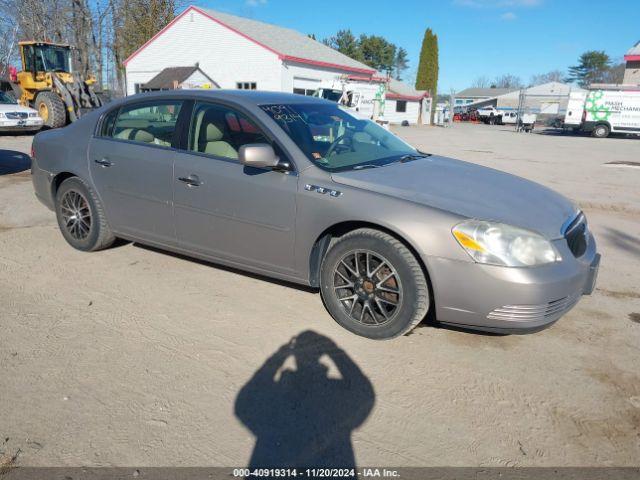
{"x":576,"y":235}
{"x":525,"y":313}
{"x":16,"y":115}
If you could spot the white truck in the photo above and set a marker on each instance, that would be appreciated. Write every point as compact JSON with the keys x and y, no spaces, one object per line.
{"x":489,"y":114}
{"x":495,"y":116}
{"x":603,"y":111}
{"x":364,"y":98}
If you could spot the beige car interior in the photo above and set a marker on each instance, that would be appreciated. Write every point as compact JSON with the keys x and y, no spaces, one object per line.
{"x":210,"y":130}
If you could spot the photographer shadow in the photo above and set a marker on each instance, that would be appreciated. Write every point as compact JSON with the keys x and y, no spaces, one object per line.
{"x":303,"y":418}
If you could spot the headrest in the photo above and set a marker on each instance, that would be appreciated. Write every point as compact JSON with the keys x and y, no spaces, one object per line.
{"x":143,"y":136}
{"x":135,"y":134}
{"x":213,"y":133}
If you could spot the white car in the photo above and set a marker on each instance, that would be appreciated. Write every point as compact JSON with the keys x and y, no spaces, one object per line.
{"x":16,"y":118}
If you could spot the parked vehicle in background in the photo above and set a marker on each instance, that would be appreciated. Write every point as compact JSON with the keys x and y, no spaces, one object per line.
{"x":49,"y":83}
{"x":297,"y":188}
{"x":603,"y":111}
{"x":15,"y":117}
{"x":363,"y":98}
{"x":526,"y":122}
{"x":507,"y":118}
{"x":489,"y":114}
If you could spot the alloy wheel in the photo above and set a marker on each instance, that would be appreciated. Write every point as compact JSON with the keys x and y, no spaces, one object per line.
{"x":76,"y":214}
{"x":368,"y":287}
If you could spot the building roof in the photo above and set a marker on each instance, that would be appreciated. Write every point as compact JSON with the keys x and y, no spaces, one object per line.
{"x":166,"y":78}
{"x":399,"y":90}
{"x":633,"y":54}
{"x":484,"y":92}
{"x":549,"y":89}
{"x":288,"y":44}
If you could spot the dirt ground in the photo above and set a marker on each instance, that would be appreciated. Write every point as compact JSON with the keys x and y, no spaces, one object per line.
{"x":136,"y":357}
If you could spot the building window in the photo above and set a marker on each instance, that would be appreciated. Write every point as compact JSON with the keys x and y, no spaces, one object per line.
{"x":401,"y":106}
{"x":304,"y":91}
{"x":246,"y":85}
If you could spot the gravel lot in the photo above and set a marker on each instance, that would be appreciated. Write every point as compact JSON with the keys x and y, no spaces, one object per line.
{"x":135,"y":357}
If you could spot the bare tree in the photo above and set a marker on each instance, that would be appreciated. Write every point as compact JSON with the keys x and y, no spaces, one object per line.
{"x":481,"y":82}
{"x":508,"y":81}
{"x":103,"y":32}
{"x":552,"y":76}
{"x":8,"y":40}
{"x":615,"y":73}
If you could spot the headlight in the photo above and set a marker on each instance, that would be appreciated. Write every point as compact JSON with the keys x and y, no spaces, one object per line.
{"x":33,"y":114}
{"x":500,"y":244}
{"x":1,"y":115}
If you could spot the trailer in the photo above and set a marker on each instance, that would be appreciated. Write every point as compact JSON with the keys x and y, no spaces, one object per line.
{"x":604,"y":110}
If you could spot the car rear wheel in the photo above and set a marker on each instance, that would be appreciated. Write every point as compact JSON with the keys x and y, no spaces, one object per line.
{"x":81,"y":217}
{"x":373,"y":285}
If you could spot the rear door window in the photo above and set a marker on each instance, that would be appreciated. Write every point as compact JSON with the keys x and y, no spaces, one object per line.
{"x":151,"y":123}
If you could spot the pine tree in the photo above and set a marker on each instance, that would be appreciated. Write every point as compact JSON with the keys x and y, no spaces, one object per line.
{"x":592,"y":68}
{"x":427,"y":77}
{"x":401,"y":63}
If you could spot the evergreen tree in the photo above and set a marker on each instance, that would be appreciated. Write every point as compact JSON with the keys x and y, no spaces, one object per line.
{"x":427,"y":77}
{"x":401,"y":63}
{"x":592,"y":67}
{"x":377,"y":52}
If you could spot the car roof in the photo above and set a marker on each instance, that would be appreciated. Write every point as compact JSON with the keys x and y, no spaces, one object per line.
{"x":244,"y":97}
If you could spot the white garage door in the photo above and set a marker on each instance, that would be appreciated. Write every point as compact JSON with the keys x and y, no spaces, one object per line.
{"x":550,"y":108}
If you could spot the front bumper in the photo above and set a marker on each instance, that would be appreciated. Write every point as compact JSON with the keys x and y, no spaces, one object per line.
{"x":511,"y":300}
{"x":26,"y":125}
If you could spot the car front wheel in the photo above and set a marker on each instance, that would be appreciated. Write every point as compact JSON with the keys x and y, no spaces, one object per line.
{"x":373,"y":285}
{"x":80,"y":216}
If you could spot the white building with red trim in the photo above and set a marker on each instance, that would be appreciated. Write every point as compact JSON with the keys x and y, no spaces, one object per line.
{"x":241,"y":53}
{"x":632,"y":66}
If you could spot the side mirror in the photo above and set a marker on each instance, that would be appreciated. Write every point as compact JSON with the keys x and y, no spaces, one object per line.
{"x":258,"y":155}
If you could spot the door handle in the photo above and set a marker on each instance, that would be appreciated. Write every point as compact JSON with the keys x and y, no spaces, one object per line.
{"x":191,"y":180}
{"x":104,"y":162}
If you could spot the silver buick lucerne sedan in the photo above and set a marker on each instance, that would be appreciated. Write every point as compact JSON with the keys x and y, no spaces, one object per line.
{"x":296,"y":188}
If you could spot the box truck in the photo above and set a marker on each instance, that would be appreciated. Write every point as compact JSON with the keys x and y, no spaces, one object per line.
{"x":365,"y":98}
{"x":603,"y":111}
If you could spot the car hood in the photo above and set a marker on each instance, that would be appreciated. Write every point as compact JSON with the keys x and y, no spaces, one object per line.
{"x":13,"y":107}
{"x":468,"y":190}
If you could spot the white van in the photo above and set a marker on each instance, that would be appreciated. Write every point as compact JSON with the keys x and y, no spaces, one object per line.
{"x":603,"y":111}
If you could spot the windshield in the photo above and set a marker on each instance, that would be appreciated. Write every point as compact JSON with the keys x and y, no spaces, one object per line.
{"x":51,"y":58}
{"x":332,"y":95}
{"x":336,"y":141}
{"x":5,"y":99}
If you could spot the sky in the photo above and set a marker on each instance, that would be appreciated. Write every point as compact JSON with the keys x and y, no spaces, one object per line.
{"x":476,"y":37}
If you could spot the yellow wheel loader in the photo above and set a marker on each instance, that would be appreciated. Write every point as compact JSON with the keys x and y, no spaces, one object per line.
{"x":48,"y":83}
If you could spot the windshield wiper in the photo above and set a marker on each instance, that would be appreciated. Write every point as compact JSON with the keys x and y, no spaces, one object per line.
{"x":362,"y":167}
{"x":413,"y":156}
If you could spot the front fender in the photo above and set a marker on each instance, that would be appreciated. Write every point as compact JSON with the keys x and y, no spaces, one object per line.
{"x":426,"y":230}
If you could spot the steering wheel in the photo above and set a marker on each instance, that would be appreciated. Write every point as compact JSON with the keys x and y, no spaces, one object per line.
{"x":333,"y":148}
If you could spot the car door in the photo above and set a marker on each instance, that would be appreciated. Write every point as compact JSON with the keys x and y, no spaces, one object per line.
{"x":225,"y":210}
{"x":131,"y":164}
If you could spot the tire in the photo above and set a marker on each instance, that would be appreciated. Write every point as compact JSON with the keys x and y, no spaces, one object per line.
{"x":395,"y":283}
{"x":52,"y":104}
{"x":601,"y":131}
{"x":90,"y":234}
